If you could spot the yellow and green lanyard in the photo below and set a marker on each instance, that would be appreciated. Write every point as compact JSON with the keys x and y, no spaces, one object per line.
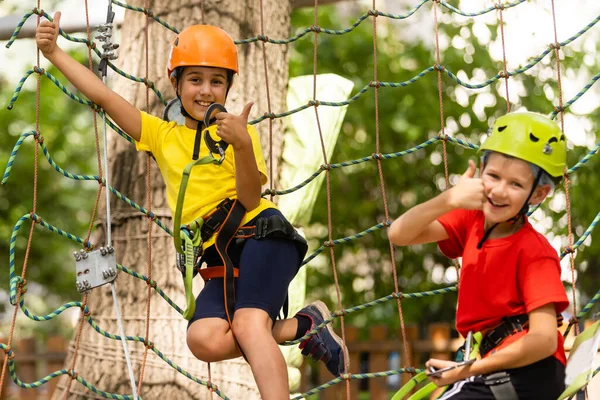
{"x":188,"y":237}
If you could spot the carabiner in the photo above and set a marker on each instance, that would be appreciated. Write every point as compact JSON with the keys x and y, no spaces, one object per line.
{"x":213,"y":145}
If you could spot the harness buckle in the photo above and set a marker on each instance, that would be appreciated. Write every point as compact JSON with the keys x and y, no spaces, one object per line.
{"x":261,"y":230}
{"x":513,"y":324}
{"x":497,"y":378}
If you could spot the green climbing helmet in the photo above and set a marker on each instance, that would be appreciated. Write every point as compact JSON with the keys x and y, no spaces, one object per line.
{"x":531,"y":137}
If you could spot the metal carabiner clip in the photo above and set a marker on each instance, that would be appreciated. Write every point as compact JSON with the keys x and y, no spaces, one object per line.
{"x":213,"y":145}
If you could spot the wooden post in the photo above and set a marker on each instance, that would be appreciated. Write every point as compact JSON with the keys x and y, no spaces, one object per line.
{"x":378,"y":361}
{"x":412,"y":335}
{"x":56,"y":351}
{"x":25,"y":360}
{"x":351,"y":338}
{"x":439,"y":334}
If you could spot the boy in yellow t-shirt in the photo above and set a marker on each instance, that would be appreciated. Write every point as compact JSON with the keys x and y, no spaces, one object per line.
{"x":202,"y":64}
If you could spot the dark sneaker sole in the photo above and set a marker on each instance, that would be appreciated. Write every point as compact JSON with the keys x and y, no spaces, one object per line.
{"x":324,"y":310}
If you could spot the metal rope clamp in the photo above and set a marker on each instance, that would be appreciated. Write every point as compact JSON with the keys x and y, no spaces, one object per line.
{"x":95,"y":268}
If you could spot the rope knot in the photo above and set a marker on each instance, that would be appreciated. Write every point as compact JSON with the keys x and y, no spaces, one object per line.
{"x":269,"y":115}
{"x":73,"y":374}
{"x":152,"y":283}
{"x":38,"y":70}
{"x":566,"y":175}
{"x":410,"y":370}
{"x":22,"y":286}
{"x":325,"y":167}
{"x":339,"y":313}
{"x":375,"y":84}
{"x":95,"y":107}
{"x":263,"y":38}
{"x":315,"y":103}
{"x":148,"y":344}
{"x":91,"y":46}
{"x":346,"y":376}
{"x":499,"y":6}
{"x":148,"y":12}
{"x":101,"y":181}
{"x":569,"y":250}
{"x":212,"y":387}
{"x":86,"y":311}
{"x":555,"y":46}
{"x":269,"y":192}
{"x":35,"y":218}
{"x":559,"y":109}
{"x":328,"y":243}
{"x":573,"y":320}
{"x":398,"y":295}
{"x":315,"y":28}
{"x":374,"y":13}
{"x":148,"y":83}
{"x":442,"y":136}
{"x":88,"y":246}
{"x":503,"y":74}
{"x":38,"y":12}
{"x":377,"y":156}
{"x":388,"y":223}
{"x":438,"y":67}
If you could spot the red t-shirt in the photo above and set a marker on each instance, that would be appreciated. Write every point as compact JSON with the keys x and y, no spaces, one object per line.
{"x":508,"y":276}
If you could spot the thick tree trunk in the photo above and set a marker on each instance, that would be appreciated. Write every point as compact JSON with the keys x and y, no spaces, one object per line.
{"x":100,"y":361}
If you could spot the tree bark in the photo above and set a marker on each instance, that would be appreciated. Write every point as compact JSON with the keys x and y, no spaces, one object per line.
{"x":99,"y":360}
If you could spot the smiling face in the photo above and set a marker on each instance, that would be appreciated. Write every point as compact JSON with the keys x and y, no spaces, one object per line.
{"x":198,"y":88}
{"x":508,"y":182}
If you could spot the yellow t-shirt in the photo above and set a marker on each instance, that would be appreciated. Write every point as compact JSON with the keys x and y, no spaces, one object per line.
{"x":172,"y":146}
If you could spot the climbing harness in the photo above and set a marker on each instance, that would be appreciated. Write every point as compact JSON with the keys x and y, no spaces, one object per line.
{"x":225,"y":222}
{"x":508,"y":327}
{"x":475,"y":344}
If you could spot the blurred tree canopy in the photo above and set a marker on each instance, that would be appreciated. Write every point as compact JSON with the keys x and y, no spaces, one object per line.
{"x":67,"y":204}
{"x":409,"y":116}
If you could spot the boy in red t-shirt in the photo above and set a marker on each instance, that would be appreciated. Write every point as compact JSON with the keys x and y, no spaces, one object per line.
{"x":510,"y":287}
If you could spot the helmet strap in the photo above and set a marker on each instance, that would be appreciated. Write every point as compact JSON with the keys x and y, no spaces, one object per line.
{"x":522,"y":212}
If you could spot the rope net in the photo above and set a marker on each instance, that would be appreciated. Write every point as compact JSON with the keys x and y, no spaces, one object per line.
{"x":18,"y":283}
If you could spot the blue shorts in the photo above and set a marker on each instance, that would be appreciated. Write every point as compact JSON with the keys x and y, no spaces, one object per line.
{"x":267,"y":266}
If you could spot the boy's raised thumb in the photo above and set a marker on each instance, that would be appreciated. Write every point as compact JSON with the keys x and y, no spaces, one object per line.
{"x":57,"y":19}
{"x":246,"y":110}
{"x":470,"y":172}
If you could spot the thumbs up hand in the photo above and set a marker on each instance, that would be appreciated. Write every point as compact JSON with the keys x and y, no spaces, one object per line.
{"x":469,"y":193}
{"x":233,"y":128}
{"x":46,"y":34}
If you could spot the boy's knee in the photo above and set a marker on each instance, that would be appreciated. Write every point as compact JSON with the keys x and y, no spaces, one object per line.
{"x":203,"y":345}
{"x":249,"y":323}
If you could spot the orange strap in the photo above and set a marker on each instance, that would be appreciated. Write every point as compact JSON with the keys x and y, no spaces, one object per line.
{"x":216,"y":272}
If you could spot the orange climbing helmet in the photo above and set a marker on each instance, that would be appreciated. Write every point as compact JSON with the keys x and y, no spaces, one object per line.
{"x":205,"y":46}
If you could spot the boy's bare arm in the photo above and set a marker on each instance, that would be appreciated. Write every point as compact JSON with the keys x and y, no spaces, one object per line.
{"x":120,"y":110}
{"x":540,"y":342}
{"x":419,"y":224}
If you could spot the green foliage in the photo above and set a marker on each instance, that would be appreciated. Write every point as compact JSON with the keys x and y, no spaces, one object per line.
{"x":409,"y":116}
{"x":67,"y":204}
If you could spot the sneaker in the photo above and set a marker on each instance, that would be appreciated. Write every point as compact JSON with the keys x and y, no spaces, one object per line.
{"x":325,"y":346}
